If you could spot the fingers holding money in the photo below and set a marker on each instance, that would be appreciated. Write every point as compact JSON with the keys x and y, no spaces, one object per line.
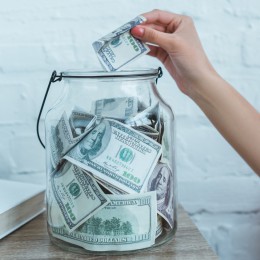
{"x":169,"y":21}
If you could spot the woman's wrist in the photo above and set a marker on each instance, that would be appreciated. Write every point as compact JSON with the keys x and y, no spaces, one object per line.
{"x":231,"y":114}
{"x":204,"y":87}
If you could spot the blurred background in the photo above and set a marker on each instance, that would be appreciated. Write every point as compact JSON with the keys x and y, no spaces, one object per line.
{"x":219,"y":191}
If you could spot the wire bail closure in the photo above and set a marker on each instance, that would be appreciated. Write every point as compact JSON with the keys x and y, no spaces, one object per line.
{"x":54,"y":77}
{"x":160,"y":74}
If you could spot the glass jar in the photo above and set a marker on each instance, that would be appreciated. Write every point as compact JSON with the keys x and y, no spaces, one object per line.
{"x":110,"y":150}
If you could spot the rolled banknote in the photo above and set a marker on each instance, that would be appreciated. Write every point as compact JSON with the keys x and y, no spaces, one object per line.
{"x":128,"y":222}
{"x":161,"y":181}
{"x":117,"y":154}
{"x":119,"y":47}
{"x":77,"y":195}
{"x":117,"y":108}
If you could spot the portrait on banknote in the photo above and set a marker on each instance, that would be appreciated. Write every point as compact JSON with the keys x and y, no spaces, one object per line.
{"x":161,"y":181}
{"x":95,"y":142}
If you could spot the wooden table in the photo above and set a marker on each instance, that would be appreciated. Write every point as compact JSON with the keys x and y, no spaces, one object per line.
{"x":32,"y":242}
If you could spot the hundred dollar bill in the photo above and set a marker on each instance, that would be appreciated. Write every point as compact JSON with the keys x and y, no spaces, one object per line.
{"x":117,"y":154}
{"x":148,"y":130}
{"x":112,"y":189}
{"x":80,"y":122}
{"x":167,"y":143}
{"x":54,"y":216}
{"x":128,"y":222}
{"x":119,"y":47}
{"x":77,"y":194}
{"x":106,"y":187}
{"x":117,"y":108}
{"x":159,"y":227}
{"x":62,"y":139}
{"x":161,"y":129}
{"x":150,"y":116}
{"x":161,"y":181}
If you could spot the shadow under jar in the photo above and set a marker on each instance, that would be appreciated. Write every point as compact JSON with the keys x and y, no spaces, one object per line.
{"x":110,"y":150}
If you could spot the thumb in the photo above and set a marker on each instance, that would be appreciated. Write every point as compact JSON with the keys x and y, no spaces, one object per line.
{"x":150,"y":35}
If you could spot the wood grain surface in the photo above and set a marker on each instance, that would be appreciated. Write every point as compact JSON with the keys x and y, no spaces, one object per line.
{"x":32,"y":242}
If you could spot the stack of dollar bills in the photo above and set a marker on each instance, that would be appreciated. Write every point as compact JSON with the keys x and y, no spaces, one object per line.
{"x":111,"y":188}
{"x":119,"y":47}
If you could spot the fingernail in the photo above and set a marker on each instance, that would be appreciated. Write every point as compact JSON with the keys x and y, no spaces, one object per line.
{"x":138,"y":32}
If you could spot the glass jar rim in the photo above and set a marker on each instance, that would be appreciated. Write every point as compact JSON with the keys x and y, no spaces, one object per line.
{"x":111,"y":74}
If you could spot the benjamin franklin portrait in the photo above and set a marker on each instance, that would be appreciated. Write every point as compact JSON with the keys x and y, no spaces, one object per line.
{"x":161,"y":181}
{"x":95,"y":142}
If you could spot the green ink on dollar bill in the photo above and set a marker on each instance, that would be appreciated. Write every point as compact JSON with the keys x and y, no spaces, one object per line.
{"x":117,"y":154}
{"x":128,"y":222}
{"x":77,"y":195}
{"x":119,"y":47}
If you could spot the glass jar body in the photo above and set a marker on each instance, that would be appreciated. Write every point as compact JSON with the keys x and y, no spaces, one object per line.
{"x":110,"y":153}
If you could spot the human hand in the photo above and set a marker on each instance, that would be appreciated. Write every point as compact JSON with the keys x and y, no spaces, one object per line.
{"x":178,"y":47}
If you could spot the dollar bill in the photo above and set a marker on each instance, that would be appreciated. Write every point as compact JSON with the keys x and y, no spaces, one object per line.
{"x":166,"y":133}
{"x":110,"y":188}
{"x":124,"y":28}
{"x":161,"y":129}
{"x":54,"y":216}
{"x":128,"y":222}
{"x":159,"y":227}
{"x":80,"y":122}
{"x":106,"y":187}
{"x":62,"y":138}
{"x":117,"y":154}
{"x":150,"y":116}
{"x":117,"y":108}
{"x":148,"y":130}
{"x":161,"y":181}
{"x":119,"y":47}
{"x":77,"y":195}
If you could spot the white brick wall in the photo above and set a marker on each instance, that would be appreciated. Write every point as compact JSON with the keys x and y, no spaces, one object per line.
{"x":215,"y":186}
